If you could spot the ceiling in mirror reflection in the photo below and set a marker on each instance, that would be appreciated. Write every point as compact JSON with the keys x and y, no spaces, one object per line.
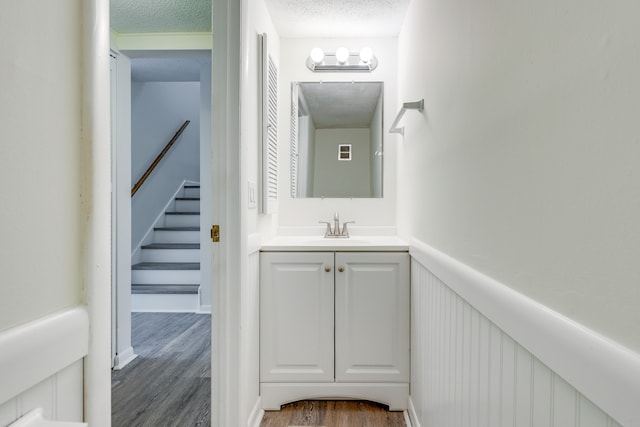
{"x":341,"y":105}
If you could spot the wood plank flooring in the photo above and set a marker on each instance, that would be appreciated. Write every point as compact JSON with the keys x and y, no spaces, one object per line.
{"x":169,"y":383}
{"x":333,"y":414}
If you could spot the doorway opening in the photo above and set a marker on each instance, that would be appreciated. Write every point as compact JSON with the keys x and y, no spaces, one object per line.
{"x":164,"y":224}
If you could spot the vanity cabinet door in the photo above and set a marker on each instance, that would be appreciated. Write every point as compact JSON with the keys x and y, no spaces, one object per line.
{"x":296,"y":317}
{"x":372,"y":317}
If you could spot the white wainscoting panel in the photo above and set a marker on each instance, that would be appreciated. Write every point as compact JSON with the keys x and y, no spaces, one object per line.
{"x":59,"y":396}
{"x":465,"y":371}
{"x":41,"y":366}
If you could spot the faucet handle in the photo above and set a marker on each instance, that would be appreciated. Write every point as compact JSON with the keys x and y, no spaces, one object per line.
{"x":328,"y":230}
{"x":336,"y":217}
{"x":344,"y":227}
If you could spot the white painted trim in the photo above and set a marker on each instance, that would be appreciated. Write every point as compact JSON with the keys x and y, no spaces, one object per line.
{"x":36,"y":418}
{"x":407,"y":420}
{"x":37,"y":350}
{"x":163,"y":41}
{"x":136,"y":255}
{"x":254,"y":243}
{"x":412,"y":415}
{"x":395,"y":395}
{"x":124,"y":358}
{"x":227,"y":269}
{"x":204,"y":309}
{"x":602,"y":370}
{"x":255,"y":418}
{"x":96,"y":209}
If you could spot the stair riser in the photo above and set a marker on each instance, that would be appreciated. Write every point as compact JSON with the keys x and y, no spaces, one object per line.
{"x":165,"y":303}
{"x":182,"y":220}
{"x":187,"y":206}
{"x":165,"y":236}
{"x":170,"y":255}
{"x":191,"y":192}
{"x":165,"y":277}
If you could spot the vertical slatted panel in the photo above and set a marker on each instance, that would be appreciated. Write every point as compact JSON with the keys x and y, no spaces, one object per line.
{"x":269,"y":202}
{"x":60,"y":397}
{"x":468,"y":372}
{"x":542,"y":395}
{"x":294,"y":141}
{"x":523,"y":388}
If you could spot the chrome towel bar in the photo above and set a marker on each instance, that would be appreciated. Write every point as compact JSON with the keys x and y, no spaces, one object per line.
{"x":417,"y":105}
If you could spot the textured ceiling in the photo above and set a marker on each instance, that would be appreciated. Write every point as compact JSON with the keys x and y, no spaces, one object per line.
{"x":292,"y":18}
{"x":160,"y":16}
{"x":337,"y":18}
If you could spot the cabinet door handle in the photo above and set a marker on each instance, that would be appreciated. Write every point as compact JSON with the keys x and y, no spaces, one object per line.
{"x":327,"y":268}
{"x":341,"y":268}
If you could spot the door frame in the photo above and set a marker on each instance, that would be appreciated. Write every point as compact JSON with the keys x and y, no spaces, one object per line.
{"x":225,"y":290}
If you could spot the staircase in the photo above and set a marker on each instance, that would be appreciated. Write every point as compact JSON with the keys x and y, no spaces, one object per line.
{"x":168,"y":277}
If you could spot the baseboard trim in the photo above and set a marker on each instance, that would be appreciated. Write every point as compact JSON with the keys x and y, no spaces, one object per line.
{"x":255,"y":418}
{"x":412,"y":415}
{"x":205,"y":309}
{"x":274,"y":395}
{"x":124,"y":358}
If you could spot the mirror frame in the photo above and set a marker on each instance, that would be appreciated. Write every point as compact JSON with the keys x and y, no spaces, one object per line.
{"x":376,"y":150}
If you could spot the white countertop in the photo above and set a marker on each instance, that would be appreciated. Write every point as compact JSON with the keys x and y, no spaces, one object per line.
{"x":320,"y":243}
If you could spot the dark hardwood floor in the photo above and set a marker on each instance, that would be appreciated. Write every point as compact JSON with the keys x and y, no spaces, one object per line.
{"x":333,"y":414}
{"x":169,"y":383}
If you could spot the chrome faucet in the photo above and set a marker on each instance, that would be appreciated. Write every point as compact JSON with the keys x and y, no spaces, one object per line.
{"x":336,"y":231}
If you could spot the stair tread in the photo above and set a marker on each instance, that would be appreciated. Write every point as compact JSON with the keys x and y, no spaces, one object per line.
{"x":164,"y":289}
{"x":182,"y":213}
{"x":172,"y":246}
{"x":166,"y":266}
{"x":177,"y":228}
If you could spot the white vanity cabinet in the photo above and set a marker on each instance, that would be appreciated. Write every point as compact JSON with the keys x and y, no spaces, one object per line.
{"x":334,"y":324}
{"x":296,"y":317}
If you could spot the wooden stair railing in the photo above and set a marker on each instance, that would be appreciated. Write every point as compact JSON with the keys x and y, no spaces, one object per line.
{"x":159,"y":158}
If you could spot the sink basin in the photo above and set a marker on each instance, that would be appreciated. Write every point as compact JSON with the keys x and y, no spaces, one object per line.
{"x":357,"y":243}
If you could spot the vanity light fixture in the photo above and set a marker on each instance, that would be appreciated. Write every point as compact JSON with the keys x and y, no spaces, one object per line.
{"x":342,"y":60}
{"x":317,"y":55}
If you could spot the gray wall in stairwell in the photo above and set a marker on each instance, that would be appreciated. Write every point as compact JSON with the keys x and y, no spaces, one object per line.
{"x":158,"y":109}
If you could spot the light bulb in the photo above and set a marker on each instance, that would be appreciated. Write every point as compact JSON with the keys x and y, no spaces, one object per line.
{"x":342,"y":55}
{"x":366,"y":54}
{"x":317,"y":55}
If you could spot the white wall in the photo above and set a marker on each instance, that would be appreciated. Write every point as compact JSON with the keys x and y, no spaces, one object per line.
{"x":366,"y":212}
{"x":254,"y":226}
{"x":40,"y":159}
{"x":54,"y":176}
{"x":158,"y":110}
{"x":258,"y":22}
{"x":524,"y":164}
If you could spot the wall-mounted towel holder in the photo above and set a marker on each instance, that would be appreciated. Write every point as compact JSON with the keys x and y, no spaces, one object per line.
{"x":417,"y":105}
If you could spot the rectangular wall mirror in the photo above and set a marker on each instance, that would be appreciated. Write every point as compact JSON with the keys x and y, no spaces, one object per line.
{"x":336,"y":139}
